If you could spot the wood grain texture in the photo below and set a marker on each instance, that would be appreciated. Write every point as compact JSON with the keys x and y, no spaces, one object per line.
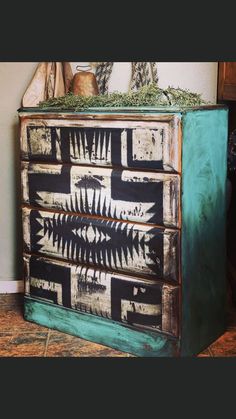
{"x":103,"y":331}
{"x":203,"y":228}
{"x":100,"y":114}
{"x":135,"y":144}
{"x":112,"y":193}
{"x":144,"y":113}
{"x":139,"y":302}
{"x":120,"y":246}
{"x":227,"y":81}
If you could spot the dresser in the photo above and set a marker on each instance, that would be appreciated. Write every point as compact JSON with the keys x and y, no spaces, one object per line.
{"x":124,"y":214}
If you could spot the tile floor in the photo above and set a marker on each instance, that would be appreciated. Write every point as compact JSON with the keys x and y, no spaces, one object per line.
{"x":19,"y":338}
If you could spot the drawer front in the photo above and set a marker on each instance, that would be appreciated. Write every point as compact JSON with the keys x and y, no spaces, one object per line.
{"x":114,"y":245}
{"x":134,"y":144}
{"x":124,"y":299}
{"x":147,"y":197}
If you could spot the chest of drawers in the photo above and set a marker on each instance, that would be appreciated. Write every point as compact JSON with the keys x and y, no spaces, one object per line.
{"x":124,"y":225}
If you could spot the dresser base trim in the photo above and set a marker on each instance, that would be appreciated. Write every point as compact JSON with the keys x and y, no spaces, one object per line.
{"x":103,"y":331}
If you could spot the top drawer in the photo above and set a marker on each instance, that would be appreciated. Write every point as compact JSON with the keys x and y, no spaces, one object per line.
{"x":134,"y":144}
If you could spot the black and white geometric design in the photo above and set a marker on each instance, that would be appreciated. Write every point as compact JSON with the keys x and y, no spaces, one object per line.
{"x":138,"y":147}
{"x":146,"y":197}
{"x":112,"y":245}
{"x":113,"y":296}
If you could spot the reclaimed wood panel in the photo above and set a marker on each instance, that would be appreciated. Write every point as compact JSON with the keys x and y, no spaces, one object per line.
{"x":121,"y":298}
{"x":114,"y":245}
{"x":147,"y":197}
{"x":143,"y":343}
{"x":227,"y":81}
{"x":131,"y":144}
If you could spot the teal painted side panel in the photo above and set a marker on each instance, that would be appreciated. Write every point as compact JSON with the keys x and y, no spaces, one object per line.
{"x":103,"y":331}
{"x":204,"y":165}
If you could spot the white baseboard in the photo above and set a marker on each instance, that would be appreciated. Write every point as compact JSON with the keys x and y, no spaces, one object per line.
{"x":11,"y":287}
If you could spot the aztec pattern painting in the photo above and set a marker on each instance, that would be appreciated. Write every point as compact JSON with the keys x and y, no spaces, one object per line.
{"x":109,"y":244}
{"x":121,"y":298}
{"x":140,"y":196}
{"x":150,"y":146}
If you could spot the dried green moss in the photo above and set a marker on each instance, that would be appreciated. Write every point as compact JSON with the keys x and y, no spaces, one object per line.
{"x":150,"y":95}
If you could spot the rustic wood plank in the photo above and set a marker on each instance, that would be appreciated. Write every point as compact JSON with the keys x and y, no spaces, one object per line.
{"x":99,"y":330}
{"x":113,"y":245}
{"x":227,"y":81}
{"x":135,"y":144}
{"x":116,"y":113}
{"x":104,"y":114}
{"x":105,"y":192}
{"x":144,"y":303}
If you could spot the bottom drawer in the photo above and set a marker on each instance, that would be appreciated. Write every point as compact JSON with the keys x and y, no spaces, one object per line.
{"x":138,"y":302}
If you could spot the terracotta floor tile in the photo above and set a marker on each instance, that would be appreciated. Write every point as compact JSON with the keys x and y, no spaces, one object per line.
{"x":63,"y":345}
{"x":225,"y":346}
{"x":109,"y":353}
{"x":5,"y":339}
{"x":94,"y":350}
{"x":11,"y":300}
{"x":25,"y":345}
{"x":11,"y":319}
{"x":205,"y":353}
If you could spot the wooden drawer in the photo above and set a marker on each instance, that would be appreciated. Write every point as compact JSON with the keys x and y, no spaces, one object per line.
{"x":139,"y":196}
{"x":136,"y":144}
{"x":138,"y":249}
{"x":140,"y":303}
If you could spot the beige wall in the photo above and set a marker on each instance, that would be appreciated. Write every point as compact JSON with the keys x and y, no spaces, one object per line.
{"x":14,"y":77}
{"x":13,"y":80}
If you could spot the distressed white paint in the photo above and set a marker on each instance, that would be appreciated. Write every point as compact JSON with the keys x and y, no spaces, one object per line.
{"x":147,"y":141}
{"x":91,"y":293}
{"x":124,"y":147}
{"x":44,"y":145}
{"x":141,"y":308}
{"x":121,"y":209}
{"x":139,"y":263}
{"x":151,"y":140}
